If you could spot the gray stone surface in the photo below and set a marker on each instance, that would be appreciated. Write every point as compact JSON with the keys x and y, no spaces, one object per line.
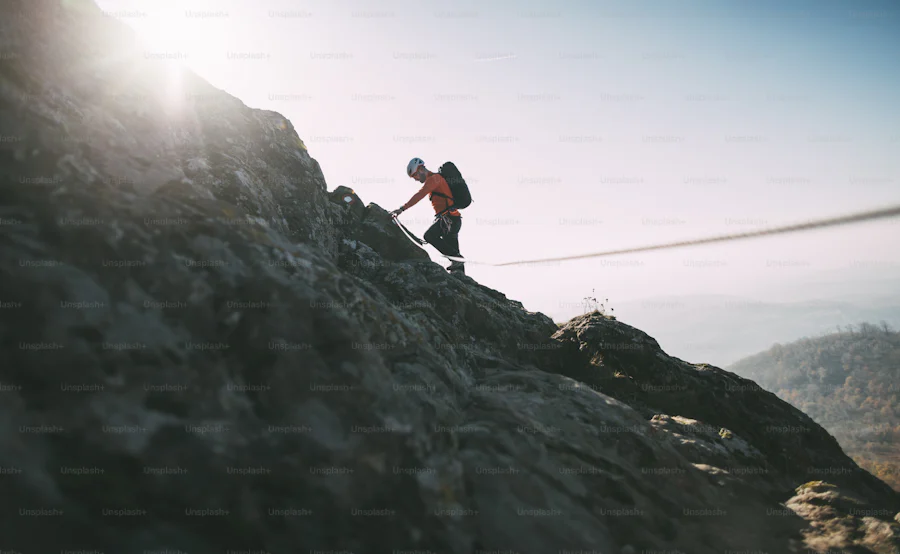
{"x":192,"y":322}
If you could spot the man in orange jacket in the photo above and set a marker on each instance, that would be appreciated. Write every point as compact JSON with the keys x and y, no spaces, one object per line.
{"x":444,"y":233}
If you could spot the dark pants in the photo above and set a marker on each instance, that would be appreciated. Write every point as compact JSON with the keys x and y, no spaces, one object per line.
{"x":444,"y":235}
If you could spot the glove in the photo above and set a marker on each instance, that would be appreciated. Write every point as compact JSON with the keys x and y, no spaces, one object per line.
{"x":397,"y":212}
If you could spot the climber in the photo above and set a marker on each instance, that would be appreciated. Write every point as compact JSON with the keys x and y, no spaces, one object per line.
{"x":444,"y":233}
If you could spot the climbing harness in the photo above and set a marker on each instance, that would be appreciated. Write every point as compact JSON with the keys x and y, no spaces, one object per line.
{"x":446,"y":223}
{"x":815,"y":224}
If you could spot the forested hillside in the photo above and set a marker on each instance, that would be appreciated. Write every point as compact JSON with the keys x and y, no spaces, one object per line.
{"x":849,"y":382}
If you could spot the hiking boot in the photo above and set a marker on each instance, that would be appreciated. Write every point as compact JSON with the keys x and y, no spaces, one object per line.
{"x":457,"y":267}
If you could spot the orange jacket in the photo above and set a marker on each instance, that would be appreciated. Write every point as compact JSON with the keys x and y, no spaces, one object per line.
{"x":434,"y":183}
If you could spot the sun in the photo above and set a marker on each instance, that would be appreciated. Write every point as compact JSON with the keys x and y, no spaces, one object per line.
{"x":183,"y":39}
{"x":172,"y":33}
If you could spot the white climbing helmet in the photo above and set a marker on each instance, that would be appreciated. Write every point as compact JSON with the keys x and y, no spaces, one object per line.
{"x":413,"y":165}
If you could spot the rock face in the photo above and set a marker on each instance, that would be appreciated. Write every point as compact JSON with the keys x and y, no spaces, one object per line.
{"x":841,"y":523}
{"x":107,"y":111}
{"x":204,"y":350}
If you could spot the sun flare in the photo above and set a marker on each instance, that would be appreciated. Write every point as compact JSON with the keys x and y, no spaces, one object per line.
{"x":181,"y":40}
{"x":182,"y":35}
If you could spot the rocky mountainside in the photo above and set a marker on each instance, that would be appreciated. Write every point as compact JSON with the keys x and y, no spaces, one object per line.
{"x":206,"y":351}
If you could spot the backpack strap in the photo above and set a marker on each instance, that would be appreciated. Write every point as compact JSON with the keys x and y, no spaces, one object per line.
{"x":450,"y":204}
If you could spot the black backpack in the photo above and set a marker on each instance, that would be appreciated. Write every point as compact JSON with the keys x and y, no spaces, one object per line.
{"x":458,"y":187}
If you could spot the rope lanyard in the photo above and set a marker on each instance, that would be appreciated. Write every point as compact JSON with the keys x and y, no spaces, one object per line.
{"x":815,"y":224}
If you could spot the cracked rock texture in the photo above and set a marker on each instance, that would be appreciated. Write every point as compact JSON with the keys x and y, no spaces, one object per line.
{"x":205,"y":350}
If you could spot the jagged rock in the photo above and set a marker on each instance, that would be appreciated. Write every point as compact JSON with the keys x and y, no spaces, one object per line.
{"x":626,"y":363}
{"x":373,"y":224}
{"x":347,"y":197}
{"x":841,"y":522}
{"x":191,"y":322}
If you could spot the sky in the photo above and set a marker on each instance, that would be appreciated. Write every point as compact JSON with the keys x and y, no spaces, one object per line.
{"x":586,"y":126}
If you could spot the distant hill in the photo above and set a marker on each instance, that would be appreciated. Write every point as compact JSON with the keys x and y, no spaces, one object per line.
{"x":848,"y":382}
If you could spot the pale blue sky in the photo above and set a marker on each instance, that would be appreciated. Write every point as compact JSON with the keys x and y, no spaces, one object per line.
{"x":585,"y":126}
